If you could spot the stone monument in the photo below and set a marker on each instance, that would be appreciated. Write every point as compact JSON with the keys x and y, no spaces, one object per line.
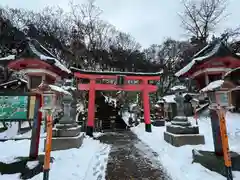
{"x":181,"y":132}
{"x":159,"y":113}
{"x":66,"y":134}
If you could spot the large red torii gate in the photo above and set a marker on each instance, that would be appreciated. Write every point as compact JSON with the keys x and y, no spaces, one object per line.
{"x":144,"y":87}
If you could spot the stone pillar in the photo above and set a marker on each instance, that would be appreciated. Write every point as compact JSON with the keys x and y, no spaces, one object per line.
{"x":66,"y":134}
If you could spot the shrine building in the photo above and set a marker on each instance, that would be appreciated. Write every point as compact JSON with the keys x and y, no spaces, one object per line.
{"x":210,"y":64}
{"x":36,"y":64}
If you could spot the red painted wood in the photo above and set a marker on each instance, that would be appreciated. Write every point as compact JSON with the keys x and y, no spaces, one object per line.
{"x":95,"y":76}
{"x":39,"y":124}
{"x":91,"y":104}
{"x":228,"y":62}
{"x":146,"y":101}
{"x":111,"y":87}
{"x":92,"y":87}
{"x":33,"y":63}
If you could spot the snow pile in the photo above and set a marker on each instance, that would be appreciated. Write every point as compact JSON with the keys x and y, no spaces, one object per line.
{"x":74,"y":164}
{"x":212,"y":86}
{"x":178,"y":160}
{"x":125,"y":116}
{"x":11,"y":132}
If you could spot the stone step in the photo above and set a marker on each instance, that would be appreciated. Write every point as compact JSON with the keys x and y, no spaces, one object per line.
{"x":182,"y":130}
{"x":68,"y":132}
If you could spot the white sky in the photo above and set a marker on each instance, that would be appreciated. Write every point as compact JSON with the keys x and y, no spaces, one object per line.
{"x":149,"y":23}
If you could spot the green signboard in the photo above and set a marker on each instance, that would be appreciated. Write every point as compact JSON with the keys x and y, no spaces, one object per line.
{"x":13,"y":108}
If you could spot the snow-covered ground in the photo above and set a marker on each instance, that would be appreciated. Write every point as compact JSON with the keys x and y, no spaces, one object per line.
{"x":178,"y":160}
{"x":12,"y":132}
{"x":85,"y":163}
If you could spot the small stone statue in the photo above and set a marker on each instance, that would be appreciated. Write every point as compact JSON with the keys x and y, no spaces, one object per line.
{"x":180,"y":104}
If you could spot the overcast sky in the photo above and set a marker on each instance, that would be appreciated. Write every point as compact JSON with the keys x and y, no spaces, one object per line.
{"x":148,"y":22}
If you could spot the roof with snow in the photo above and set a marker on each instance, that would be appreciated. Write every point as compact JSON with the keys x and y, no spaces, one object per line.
{"x":59,"y":89}
{"x":31,"y":48}
{"x":212,"y":86}
{"x":233,"y":76}
{"x":13,"y":83}
{"x":215,"y":49}
{"x":73,"y":69}
{"x":178,"y":87}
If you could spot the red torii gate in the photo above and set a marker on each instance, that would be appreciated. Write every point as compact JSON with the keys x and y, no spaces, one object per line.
{"x":120,"y":77}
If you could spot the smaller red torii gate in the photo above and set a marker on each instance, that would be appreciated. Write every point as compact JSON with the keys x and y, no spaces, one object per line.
{"x":120,"y":77}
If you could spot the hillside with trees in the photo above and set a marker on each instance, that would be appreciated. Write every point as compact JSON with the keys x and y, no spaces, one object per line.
{"x":82,"y":39}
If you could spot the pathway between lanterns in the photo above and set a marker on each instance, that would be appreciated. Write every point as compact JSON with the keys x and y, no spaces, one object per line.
{"x":130,"y":158}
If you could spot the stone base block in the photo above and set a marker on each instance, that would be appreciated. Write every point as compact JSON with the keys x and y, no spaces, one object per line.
{"x":180,"y":118}
{"x":178,"y":140}
{"x":65,"y":126}
{"x":63,"y":143}
{"x":68,"y":132}
{"x":158,"y":123}
{"x":215,"y":163}
{"x":182,"y":130}
{"x":180,"y":123}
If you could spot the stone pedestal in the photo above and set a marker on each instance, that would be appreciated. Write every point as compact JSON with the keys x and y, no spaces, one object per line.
{"x":180,"y":132}
{"x":66,"y":136}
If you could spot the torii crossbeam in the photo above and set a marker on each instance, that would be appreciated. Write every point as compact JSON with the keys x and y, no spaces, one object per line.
{"x":122,"y":85}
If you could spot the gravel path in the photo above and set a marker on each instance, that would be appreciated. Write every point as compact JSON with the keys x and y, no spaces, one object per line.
{"x":130,"y":158}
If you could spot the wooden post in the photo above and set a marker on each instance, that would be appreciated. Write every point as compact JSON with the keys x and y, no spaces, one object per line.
{"x":224,"y":137}
{"x":34,"y":145}
{"x":91,"y":108}
{"x":48,"y":147}
{"x":146,"y":107}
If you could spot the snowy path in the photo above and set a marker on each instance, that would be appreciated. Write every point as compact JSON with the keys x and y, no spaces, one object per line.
{"x":130,"y":158}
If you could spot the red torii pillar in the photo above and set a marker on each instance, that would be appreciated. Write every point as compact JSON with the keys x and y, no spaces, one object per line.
{"x":144,"y":87}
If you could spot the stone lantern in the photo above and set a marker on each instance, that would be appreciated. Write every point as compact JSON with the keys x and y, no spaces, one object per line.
{"x":181,"y":132}
{"x":66,"y":101}
{"x":66,"y":133}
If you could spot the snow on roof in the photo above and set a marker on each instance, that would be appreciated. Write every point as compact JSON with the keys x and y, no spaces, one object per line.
{"x":9,"y":57}
{"x":43,"y":57}
{"x":179,"y":87}
{"x":212,"y":86}
{"x":229,"y":72}
{"x":160,"y":101}
{"x":13,"y":81}
{"x":197,"y":59}
{"x":69,"y":87}
{"x":169,"y":98}
{"x":56,"y":62}
{"x":59,"y":89}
